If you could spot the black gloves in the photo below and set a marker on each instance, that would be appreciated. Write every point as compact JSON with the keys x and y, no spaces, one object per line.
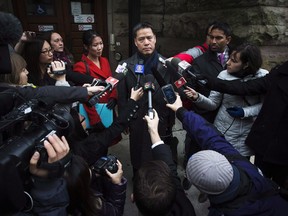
{"x":111,"y":103}
{"x":236,"y":112}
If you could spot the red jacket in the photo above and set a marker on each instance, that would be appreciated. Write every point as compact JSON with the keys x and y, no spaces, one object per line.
{"x":99,"y":73}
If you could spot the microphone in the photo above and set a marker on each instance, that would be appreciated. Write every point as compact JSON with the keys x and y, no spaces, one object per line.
{"x":10,"y":29}
{"x":10,"y":32}
{"x":185,"y":67}
{"x":122,"y":69}
{"x":111,"y":83}
{"x":139,"y":70}
{"x":149,"y":87}
{"x":158,"y":77}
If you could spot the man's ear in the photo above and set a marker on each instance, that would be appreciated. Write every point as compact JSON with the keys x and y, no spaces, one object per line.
{"x":132,"y":198}
{"x":229,"y":39}
{"x":135,"y":43}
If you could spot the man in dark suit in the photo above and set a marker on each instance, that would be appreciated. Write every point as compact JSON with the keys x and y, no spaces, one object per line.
{"x":157,"y":188}
{"x":145,"y":58}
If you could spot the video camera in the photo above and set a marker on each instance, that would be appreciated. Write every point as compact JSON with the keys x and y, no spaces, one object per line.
{"x":36,"y":121}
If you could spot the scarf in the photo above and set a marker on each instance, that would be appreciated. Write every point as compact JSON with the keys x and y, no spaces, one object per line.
{"x":149,"y":61}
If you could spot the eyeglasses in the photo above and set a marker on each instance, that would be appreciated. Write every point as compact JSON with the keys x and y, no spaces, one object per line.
{"x":46,"y":52}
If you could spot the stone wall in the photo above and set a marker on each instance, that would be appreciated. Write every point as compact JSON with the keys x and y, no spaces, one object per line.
{"x":180,"y":24}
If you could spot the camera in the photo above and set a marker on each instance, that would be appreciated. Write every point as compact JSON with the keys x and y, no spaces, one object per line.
{"x":24,"y":130}
{"x":107,"y":162}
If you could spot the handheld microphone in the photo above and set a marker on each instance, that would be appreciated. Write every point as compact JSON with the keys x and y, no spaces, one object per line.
{"x":180,"y":82}
{"x":150,"y":88}
{"x":111,"y":83}
{"x":122,"y":69}
{"x":10,"y":29}
{"x":185,"y":67}
{"x":10,"y":32}
{"x":139,"y":70}
{"x":158,"y":77}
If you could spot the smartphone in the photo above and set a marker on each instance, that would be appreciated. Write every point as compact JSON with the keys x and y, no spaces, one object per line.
{"x":169,"y":93}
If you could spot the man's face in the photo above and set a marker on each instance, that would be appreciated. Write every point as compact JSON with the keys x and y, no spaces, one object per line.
{"x":218,"y":40}
{"x":145,"y":41}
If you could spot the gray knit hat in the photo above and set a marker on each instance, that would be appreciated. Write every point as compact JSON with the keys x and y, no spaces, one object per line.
{"x":209,"y":171}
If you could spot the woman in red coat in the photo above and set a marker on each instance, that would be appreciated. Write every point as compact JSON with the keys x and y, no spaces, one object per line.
{"x":92,"y":63}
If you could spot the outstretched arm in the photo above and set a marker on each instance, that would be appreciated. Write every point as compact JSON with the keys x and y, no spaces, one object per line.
{"x":251,"y":87}
{"x":206,"y":135}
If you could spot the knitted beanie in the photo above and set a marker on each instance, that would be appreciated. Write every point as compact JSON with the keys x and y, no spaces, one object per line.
{"x":209,"y":171}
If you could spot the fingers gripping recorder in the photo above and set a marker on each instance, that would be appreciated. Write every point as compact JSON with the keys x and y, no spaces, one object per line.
{"x":111,"y":83}
{"x":150,"y":88}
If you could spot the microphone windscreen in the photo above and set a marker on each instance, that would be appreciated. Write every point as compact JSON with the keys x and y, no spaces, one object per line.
{"x":149,"y":78}
{"x":10,"y":29}
{"x":158,"y":77}
{"x":175,"y":62}
{"x":173,"y":70}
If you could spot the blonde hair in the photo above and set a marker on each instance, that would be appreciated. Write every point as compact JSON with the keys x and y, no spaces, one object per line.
{"x":18,"y":63}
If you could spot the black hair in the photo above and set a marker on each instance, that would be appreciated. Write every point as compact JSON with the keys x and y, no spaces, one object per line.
{"x":249,"y":54}
{"x":154,"y":189}
{"x":142,"y":25}
{"x":208,"y":26}
{"x":31,"y":53}
{"x":88,"y":37}
{"x":224,"y":27}
{"x":78,"y":180}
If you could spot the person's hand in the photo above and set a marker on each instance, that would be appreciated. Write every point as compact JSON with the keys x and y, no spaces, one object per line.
{"x":153,"y":127}
{"x":94,"y":89}
{"x":176,"y":105}
{"x":116,"y":177}
{"x":152,"y":123}
{"x":235,"y":112}
{"x":136,"y":94}
{"x":56,"y":149}
{"x":191,"y":93}
{"x":27,"y":36}
{"x":57,"y":71}
{"x":111,"y":103}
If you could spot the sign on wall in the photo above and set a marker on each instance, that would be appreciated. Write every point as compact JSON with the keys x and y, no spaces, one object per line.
{"x":76,"y":8}
{"x":42,"y":28}
{"x":84,"y":27}
{"x":84,"y":18}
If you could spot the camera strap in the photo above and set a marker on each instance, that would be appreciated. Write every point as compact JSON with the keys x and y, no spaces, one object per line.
{"x":57,"y":169}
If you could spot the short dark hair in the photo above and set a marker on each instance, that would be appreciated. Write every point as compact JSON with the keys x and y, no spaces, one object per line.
{"x":208,"y":26}
{"x":154,"y":189}
{"x":251,"y":55}
{"x":142,"y":26}
{"x":224,"y":27}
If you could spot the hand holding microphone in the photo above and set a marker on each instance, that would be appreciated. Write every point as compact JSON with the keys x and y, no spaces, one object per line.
{"x":150,"y":88}
{"x":111,"y":83}
{"x":139,"y":71}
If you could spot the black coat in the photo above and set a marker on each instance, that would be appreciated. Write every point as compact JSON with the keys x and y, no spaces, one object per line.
{"x":140,"y":143}
{"x":268,"y":135}
{"x":182,"y":205}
